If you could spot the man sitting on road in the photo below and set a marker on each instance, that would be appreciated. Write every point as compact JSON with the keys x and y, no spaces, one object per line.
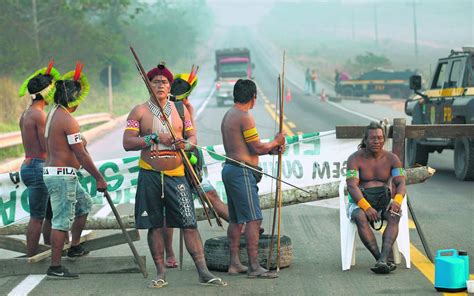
{"x":370,"y":200}
{"x":66,"y":153}
{"x":242,"y":143}
{"x":162,"y":185}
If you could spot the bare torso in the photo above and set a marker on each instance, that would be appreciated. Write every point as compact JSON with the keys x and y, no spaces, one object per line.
{"x":233,"y":139}
{"x":32,"y":124}
{"x":146,"y":128}
{"x":60,"y":153}
{"x":374,"y":171}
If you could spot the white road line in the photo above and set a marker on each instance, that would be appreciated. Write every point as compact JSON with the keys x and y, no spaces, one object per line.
{"x":354,"y":112}
{"x":204,"y":104}
{"x":31,"y":281}
{"x":27,"y":285}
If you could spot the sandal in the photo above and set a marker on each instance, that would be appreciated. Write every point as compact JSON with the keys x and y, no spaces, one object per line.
{"x":156,"y":284}
{"x":215,"y":282}
{"x":171,"y":263}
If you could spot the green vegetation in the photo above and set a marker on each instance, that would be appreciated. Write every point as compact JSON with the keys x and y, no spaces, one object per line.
{"x":98,"y":33}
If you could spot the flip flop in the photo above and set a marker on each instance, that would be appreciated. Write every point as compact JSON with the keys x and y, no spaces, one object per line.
{"x":264,"y":275}
{"x":156,"y":284}
{"x":215,"y":282}
{"x":171,"y":263}
{"x":381,"y":268}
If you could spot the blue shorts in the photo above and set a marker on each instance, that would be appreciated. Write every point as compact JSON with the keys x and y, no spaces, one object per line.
{"x":68,"y":200}
{"x":38,"y":198}
{"x":242,"y":194}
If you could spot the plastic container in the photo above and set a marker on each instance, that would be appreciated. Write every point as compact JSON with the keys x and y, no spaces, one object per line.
{"x":450,"y":271}
{"x":463,"y":255}
{"x":470,"y":286}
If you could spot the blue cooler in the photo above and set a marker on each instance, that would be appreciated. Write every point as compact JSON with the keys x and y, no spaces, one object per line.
{"x":450,"y":271}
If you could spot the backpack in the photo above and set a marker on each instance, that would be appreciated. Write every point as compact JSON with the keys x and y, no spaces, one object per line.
{"x":196,"y":152}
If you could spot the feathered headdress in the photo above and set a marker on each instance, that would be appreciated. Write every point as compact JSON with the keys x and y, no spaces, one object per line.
{"x":42,"y":82}
{"x":78,"y":76}
{"x":184,"y":84}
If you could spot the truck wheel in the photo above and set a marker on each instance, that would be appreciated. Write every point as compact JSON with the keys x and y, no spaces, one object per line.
{"x":464,"y":159}
{"x":416,"y":154}
{"x":216,"y":251}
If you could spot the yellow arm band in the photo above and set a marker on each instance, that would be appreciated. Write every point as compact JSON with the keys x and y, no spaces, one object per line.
{"x":364,"y":204}
{"x":250,"y":135}
{"x":398,"y":198}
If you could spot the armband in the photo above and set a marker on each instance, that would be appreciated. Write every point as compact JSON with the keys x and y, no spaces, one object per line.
{"x":364,"y":204}
{"x":397,"y":172}
{"x":398,"y":198}
{"x":188,"y":125}
{"x":74,"y":138}
{"x":352,"y":174}
{"x":133,"y":125}
{"x":250,"y":135}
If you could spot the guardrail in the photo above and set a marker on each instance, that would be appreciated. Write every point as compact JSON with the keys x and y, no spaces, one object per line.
{"x":14,"y":138}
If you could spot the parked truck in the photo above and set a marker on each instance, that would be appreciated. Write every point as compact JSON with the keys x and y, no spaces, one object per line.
{"x":231,"y":64}
{"x":449,"y":99}
{"x":378,"y":81}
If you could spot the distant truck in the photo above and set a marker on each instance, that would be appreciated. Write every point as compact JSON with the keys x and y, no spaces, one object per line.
{"x":231,"y":64}
{"x":378,"y":81}
{"x":449,"y":99}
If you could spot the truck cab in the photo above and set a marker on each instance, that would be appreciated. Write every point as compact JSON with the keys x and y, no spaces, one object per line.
{"x":449,"y":99}
{"x":232,"y":64}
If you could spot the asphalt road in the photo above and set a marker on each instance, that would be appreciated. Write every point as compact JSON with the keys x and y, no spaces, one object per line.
{"x":443,"y":205}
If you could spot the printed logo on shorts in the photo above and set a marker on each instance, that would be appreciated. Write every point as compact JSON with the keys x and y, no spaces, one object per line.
{"x":185,"y":206}
{"x":144,"y":214}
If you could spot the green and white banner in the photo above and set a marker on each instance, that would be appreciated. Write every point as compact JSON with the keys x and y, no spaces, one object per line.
{"x":309,"y":159}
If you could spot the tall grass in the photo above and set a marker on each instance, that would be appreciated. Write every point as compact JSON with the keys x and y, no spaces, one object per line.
{"x":11,"y":106}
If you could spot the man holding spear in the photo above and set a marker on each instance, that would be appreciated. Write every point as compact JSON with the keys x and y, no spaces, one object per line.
{"x":242,"y":144}
{"x":162,"y":185}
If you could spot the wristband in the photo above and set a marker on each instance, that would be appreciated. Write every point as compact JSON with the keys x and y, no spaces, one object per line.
{"x":154,"y":138}
{"x":148,"y":140}
{"x":364,"y":204}
{"x":398,"y":198}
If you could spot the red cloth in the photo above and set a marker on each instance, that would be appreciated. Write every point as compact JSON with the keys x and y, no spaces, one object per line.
{"x":160,"y":70}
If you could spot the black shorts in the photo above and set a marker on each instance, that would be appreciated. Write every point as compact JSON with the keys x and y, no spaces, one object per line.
{"x":176,"y":205}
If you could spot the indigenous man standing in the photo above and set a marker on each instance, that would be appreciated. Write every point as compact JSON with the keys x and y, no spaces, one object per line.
{"x":32,"y":123}
{"x":162,"y":185}
{"x":182,"y":86}
{"x":242,"y":143}
{"x":368,"y":173}
{"x":66,"y":153}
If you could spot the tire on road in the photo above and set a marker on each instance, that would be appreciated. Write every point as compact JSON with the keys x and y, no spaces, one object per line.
{"x":417,"y":154}
{"x":347,"y":91}
{"x":464,"y":159}
{"x":216,"y":251}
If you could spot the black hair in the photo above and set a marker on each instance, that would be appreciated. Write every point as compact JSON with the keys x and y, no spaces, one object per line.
{"x":66,"y":91}
{"x":179,"y":87}
{"x":244,"y":90}
{"x":372,"y":126}
{"x":39,"y":83}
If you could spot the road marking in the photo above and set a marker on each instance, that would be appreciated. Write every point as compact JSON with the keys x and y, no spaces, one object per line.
{"x":354,"y":112}
{"x":32,"y":281}
{"x":27,"y":285}
{"x":204,"y":104}
{"x":286,"y":129}
{"x":291,"y":124}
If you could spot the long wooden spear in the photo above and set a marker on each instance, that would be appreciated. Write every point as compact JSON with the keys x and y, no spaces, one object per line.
{"x":278,"y":180}
{"x":189,"y":168}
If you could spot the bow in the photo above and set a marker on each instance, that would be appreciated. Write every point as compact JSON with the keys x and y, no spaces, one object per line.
{"x":281,"y":91}
{"x":189,"y":168}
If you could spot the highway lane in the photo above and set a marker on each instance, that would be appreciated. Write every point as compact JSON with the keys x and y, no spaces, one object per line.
{"x":443,"y":205}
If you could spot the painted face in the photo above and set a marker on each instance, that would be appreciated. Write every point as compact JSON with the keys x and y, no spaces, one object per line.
{"x":161,"y":86}
{"x":375,"y":140}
